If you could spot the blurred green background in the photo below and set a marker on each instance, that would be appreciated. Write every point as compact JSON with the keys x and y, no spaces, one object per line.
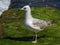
{"x":12,"y":25}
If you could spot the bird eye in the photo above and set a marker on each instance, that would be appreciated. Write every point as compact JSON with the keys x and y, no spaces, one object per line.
{"x":24,"y":8}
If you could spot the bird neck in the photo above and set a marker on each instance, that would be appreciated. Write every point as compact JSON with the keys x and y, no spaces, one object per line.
{"x":28,"y":14}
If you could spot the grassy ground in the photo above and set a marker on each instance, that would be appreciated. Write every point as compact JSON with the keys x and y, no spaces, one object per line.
{"x":13,"y":32}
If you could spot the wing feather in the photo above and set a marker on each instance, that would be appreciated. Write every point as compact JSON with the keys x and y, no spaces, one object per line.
{"x":39,"y":23}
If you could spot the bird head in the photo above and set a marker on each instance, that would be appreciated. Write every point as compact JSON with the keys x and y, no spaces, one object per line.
{"x":25,"y":8}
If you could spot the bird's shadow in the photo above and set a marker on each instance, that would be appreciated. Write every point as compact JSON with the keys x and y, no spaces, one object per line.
{"x":26,"y":38}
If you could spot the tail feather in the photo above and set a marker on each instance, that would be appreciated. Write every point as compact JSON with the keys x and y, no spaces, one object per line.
{"x":50,"y":22}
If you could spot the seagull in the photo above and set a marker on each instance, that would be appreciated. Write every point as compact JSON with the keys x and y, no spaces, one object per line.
{"x":34,"y":23}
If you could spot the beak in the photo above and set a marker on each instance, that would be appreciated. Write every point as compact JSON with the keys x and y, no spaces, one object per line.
{"x":22,"y":9}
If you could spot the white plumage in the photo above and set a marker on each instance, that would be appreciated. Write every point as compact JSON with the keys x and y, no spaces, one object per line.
{"x":34,"y":23}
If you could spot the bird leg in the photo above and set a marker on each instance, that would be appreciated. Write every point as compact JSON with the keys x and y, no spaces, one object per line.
{"x":35,"y":41}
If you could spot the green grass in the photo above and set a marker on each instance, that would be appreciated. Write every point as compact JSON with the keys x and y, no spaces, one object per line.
{"x":12,"y":25}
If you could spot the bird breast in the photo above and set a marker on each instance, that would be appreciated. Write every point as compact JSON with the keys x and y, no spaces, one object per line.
{"x":28,"y":22}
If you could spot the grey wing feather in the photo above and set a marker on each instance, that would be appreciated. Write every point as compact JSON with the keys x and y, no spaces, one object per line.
{"x":39,"y":23}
